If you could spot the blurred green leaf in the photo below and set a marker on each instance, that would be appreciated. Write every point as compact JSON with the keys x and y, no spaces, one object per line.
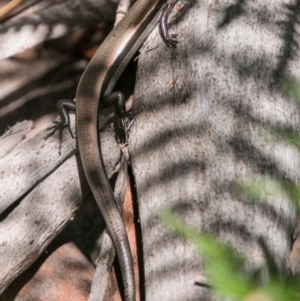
{"x":291,"y":136}
{"x":224,"y":268}
{"x":291,"y":87}
{"x":262,"y":189}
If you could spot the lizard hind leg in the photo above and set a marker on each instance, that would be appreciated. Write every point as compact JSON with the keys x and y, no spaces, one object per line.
{"x":124,"y":117}
{"x":117,"y":99}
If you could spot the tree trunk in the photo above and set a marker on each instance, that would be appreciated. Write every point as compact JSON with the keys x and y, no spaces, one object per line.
{"x":205,"y":119}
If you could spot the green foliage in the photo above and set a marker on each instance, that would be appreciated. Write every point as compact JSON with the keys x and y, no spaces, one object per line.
{"x":262,"y":189}
{"x":289,"y":136}
{"x":266,"y":188}
{"x":291,"y":88}
{"x":224,"y":268}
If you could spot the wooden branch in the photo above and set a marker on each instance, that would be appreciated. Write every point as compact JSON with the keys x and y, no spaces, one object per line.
{"x":49,"y":19}
{"x":102,"y":278}
{"x":25,"y":166}
{"x":40,"y":193}
{"x":14,"y":136}
{"x":30,"y":89}
{"x":59,"y":272}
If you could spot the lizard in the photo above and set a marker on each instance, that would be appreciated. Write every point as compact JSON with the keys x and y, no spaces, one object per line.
{"x":95,"y":90}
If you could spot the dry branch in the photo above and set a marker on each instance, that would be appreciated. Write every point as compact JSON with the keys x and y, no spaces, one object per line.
{"x":49,"y":19}
{"x":40,"y":193}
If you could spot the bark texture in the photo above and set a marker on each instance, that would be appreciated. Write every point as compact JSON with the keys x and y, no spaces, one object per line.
{"x":41,"y":21}
{"x":207,"y":114}
{"x":40,"y":192}
{"x":206,"y":118}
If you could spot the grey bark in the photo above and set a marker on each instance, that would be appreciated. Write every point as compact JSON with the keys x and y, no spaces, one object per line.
{"x":205,"y":119}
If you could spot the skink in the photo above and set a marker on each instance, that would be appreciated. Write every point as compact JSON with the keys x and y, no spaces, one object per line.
{"x":95,"y":86}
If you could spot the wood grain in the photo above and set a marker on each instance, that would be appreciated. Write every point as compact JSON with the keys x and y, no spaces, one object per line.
{"x":207,"y":117}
